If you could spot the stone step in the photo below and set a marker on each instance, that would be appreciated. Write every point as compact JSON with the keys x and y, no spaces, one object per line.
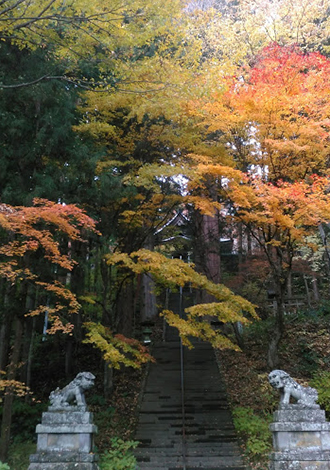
{"x":168,"y":443}
{"x":160,"y":467}
{"x":224,"y":461}
{"x":176,"y":452}
{"x":210,"y":438}
{"x":143,"y":466}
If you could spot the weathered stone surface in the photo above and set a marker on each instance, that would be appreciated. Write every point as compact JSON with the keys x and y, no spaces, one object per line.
{"x":60,"y":434}
{"x":288,"y":388}
{"x":301,"y":455}
{"x":58,"y":457}
{"x":292,"y":440}
{"x":299,"y":465}
{"x":300,"y":460}
{"x":66,"y":433}
{"x":73,"y":393}
{"x":301,"y":439}
{"x":65,"y":428}
{"x":69,"y":416}
{"x":63,"y":461}
{"x":63,"y":466}
{"x":299,"y":413}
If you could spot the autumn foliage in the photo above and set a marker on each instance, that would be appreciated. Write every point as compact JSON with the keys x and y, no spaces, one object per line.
{"x":171,"y":273}
{"x":275,"y":114}
{"x":43,"y":229}
{"x":138,"y":112}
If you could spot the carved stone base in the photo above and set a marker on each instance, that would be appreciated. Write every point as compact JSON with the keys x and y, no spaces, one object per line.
{"x":63,"y":461}
{"x":301,"y":439}
{"x":65,"y":441}
{"x":296,"y":460}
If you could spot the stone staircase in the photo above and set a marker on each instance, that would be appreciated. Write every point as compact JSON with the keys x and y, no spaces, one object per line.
{"x":207,"y":440}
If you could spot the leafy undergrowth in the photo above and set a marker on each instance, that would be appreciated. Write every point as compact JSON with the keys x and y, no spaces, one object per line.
{"x":117,"y":417}
{"x":304,"y":354}
{"x":116,"y":420}
{"x":120,"y":456}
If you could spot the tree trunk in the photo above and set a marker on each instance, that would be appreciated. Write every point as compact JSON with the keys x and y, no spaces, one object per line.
{"x":272,"y":356}
{"x":238,"y":331}
{"x":68,"y":357}
{"x":148,"y":299}
{"x":315,"y":289}
{"x":29,"y":324}
{"x":5,"y":331}
{"x":9,"y":395}
{"x":30,"y":355}
{"x":307,"y":292}
{"x":277,"y":332}
{"x":326,"y":249}
{"x":290,"y":286}
{"x":107,"y":380}
{"x":240,"y":246}
{"x":5,"y":341}
{"x":125,"y":309}
{"x":207,"y":251}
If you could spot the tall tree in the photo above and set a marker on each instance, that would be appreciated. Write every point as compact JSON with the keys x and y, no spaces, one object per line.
{"x":274,"y":120}
{"x":274,"y":115}
{"x":40,"y":152}
{"x":33,"y":240}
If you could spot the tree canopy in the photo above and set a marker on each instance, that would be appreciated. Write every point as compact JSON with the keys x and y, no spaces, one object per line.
{"x":151,"y":146}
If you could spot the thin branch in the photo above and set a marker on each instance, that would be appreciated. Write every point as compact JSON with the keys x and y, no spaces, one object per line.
{"x":11,"y":7}
{"x":25,"y":84}
{"x":2,"y":2}
{"x":106,"y":87}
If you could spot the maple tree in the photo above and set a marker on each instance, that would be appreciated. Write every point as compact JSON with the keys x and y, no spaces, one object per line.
{"x":26,"y":238}
{"x":275,"y":115}
{"x":281,"y":218}
{"x":273,"y":119}
{"x":238,"y":31}
{"x":226,"y":308}
{"x":29,"y":235}
{"x":97,"y":43}
{"x":163,"y":97}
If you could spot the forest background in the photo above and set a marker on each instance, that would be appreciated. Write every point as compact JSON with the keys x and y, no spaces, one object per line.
{"x":118,"y":120}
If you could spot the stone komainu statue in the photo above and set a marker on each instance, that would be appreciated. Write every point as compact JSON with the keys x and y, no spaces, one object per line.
{"x":73,"y":393}
{"x":290,"y":388}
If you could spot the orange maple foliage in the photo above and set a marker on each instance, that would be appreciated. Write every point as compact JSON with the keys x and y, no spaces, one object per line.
{"x":283,"y":214}
{"x":37,"y":230}
{"x":280,"y":216}
{"x":275,"y":114}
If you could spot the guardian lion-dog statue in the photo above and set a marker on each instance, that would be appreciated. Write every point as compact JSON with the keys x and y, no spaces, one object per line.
{"x":288,"y":387}
{"x":73,"y":393}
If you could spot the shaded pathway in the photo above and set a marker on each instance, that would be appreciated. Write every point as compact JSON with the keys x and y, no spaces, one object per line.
{"x":207,"y":440}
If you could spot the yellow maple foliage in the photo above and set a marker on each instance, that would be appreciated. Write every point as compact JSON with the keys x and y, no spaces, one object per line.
{"x":229,"y":308}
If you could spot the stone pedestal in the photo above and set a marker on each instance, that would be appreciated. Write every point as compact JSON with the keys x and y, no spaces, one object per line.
{"x":65,"y":440}
{"x":301,"y":439}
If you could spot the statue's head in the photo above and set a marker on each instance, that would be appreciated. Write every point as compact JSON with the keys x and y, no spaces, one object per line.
{"x":85,"y":380}
{"x":278,"y":378}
